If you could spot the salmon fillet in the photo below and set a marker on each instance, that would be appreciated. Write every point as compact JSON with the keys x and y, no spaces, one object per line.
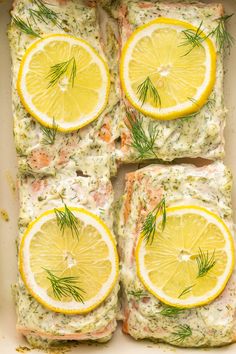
{"x":41,"y":326}
{"x":210,"y":186}
{"x":197,"y":136}
{"x":85,"y":150}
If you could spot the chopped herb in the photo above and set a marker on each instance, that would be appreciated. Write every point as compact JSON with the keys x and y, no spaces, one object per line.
{"x":25,"y":26}
{"x":65,"y":286}
{"x":60,"y":69}
{"x":66,"y":219}
{"x":170,"y":311}
{"x":181,"y":333}
{"x":205,"y":262}
{"x":147,"y":88}
{"x":142,"y":141}
{"x":193,"y":38}
{"x":149,"y":226}
{"x":186,"y":290}
{"x":139,"y":294}
{"x":49,"y":133}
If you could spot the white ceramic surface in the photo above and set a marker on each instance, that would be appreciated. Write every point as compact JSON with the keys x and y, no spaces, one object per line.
{"x":9,"y":339}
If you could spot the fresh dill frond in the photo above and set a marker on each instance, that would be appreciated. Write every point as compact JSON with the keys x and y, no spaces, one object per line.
{"x":147,"y":88}
{"x":143,"y":142}
{"x":181,"y":333}
{"x":66,"y":219}
{"x":139,"y":294}
{"x":205,"y":262}
{"x":60,"y":69}
{"x":149,"y":226}
{"x":193,"y":100}
{"x":193,"y":38}
{"x":224,"y":39}
{"x":25,"y":26}
{"x":186,"y":291}
{"x":65,"y":286}
{"x":171,"y":311}
{"x":43,"y":13}
{"x":49,"y":133}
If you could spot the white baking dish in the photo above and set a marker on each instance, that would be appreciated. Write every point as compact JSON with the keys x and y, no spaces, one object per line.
{"x":9,"y":339}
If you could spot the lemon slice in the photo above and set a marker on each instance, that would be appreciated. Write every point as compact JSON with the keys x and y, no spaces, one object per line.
{"x":177,"y":78}
{"x":62,"y":78}
{"x":69,"y":272}
{"x":190,"y":262}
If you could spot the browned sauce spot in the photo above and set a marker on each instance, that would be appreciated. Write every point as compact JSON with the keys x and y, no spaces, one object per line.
{"x":4,"y":215}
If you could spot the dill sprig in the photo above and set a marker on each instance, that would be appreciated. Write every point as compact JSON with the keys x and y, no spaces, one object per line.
{"x":193,"y":38}
{"x":139,"y":294}
{"x":147,"y":88}
{"x":58,"y":70}
{"x":223,"y":38}
{"x":182,"y":332}
{"x":49,"y":133}
{"x":43,"y":13}
{"x":25,"y":26}
{"x":65,"y":286}
{"x":186,"y":291}
{"x":193,"y":100}
{"x":143,"y":142}
{"x":66,"y":219}
{"x":205,"y":262}
{"x":149,"y":226}
{"x":171,"y":311}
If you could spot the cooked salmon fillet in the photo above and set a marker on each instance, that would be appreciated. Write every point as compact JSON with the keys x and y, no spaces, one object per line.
{"x":92,"y":146}
{"x":41,"y":326}
{"x":197,"y":136}
{"x":210,"y":186}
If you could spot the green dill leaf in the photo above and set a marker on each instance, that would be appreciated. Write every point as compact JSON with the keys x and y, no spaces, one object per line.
{"x":139,"y":294}
{"x":205,"y":262}
{"x":65,"y":286}
{"x":171,"y":311}
{"x":149,"y":226}
{"x":58,"y":70}
{"x":49,"y":133}
{"x":186,"y":291}
{"x":43,"y":13}
{"x":25,"y":27}
{"x":147,"y":88}
{"x":224,"y":39}
{"x":193,"y":38}
{"x":181,"y":333}
{"x":143,"y":142}
{"x":66,"y":219}
{"x":193,"y":101}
